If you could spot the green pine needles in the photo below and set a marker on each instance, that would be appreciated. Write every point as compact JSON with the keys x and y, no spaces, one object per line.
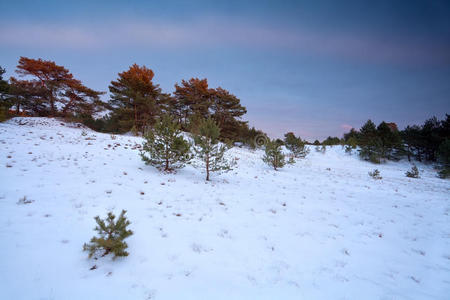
{"x":295,"y":145}
{"x":273,"y":155}
{"x":413,"y":173}
{"x":208,"y":149}
{"x":111,"y":233}
{"x":165,"y":148}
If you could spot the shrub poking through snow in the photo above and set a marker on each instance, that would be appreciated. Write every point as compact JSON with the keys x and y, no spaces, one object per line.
{"x":321,"y":149}
{"x":24,"y":200}
{"x":348,"y":149}
{"x":273,"y":155}
{"x":413,"y":173}
{"x":375,"y":174}
{"x":164,"y":147}
{"x":112,"y":233}
{"x":208,"y":149}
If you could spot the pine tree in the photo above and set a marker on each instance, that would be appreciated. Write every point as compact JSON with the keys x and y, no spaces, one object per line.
{"x":352,"y":134}
{"x":165,"y":147}
{"x":112,"y":234}
{"x":5,"y":104}
{"x":369,"y":142}
{"x":410,"y":136}
{"x":352,"y":142}
{"x":60,"y":93}
{"x":194,"y":98}
{"x":227,"y":111}
{"x":375,"y":174}
{"x":444,"y":158}
{"x":329,"y":141}
{"x":208,"y":148}
{"x":273,"y":155}
{"x":135,"y":99}
{"x":390,"y":141}
{"x":3,"y":84}
{"x":27,"y":95}
{"x":295,"y":145}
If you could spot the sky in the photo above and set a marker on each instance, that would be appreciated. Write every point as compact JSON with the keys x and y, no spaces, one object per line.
{"x":316,"y":68}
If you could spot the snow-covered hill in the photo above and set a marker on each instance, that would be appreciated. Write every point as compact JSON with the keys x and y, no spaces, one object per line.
{"x":319,"y":229}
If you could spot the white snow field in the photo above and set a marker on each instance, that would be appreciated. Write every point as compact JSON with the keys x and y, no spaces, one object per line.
{"x":319,"y":229}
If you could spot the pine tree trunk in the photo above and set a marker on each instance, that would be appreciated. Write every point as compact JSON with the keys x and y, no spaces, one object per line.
{"x":207,"y":168}
{"x":52,"y":105}
{"x":167,"y":160}
{"x":135,"y":117}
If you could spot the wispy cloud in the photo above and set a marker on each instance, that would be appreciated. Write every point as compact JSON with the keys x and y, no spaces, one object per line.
{"x":210,"y":33}
{"x":346,"y":127}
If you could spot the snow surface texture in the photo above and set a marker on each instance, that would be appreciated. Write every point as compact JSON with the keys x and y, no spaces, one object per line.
{"x":319,"y":229}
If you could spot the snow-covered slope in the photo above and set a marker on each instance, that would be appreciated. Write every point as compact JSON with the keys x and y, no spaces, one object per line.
{"x":319,"y":229}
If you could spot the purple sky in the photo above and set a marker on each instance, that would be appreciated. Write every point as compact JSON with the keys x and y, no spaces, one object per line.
{"x":314,"y":67}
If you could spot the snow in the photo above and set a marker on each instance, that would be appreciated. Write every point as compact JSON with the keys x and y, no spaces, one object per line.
{"x":319,"y":229}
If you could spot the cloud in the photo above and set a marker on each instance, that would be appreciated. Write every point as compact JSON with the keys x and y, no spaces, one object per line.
{"x":346,"y":127}
{"x":218,"y":33}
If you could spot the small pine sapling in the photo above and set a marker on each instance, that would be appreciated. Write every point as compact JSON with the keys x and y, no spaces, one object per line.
{"x":165,"y":148}
{"x":111,"y":236}
{"x":348,"y":149}
{"x":208,"y":148}
{"x":273,"y":155}
{"x":375,"y":174}
{"x":291,"y":159}
{"x":413,"y":173}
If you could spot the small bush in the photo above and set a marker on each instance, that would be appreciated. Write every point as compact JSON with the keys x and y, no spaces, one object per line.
{"x":321,"y":149}
{"x":413,"y":173}
{"x":112,"y":233}
{"x":273,"y":155}
{"x":291,"y":159}
{"x":375,"y":174}
{"x":348,"y":149}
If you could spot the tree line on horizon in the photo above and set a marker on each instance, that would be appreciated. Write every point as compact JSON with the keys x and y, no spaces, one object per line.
{"x":136,"y":104}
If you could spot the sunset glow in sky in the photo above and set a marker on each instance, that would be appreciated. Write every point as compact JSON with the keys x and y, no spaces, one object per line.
{"x":316,"y":68}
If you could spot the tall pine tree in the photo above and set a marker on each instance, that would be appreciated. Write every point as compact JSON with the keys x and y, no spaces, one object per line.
{"x":135,"y":99}
{"x":193,"y":97}
{"x":390,"y":141}
{"x":369,"y":142}
{"x":60,"y":92}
